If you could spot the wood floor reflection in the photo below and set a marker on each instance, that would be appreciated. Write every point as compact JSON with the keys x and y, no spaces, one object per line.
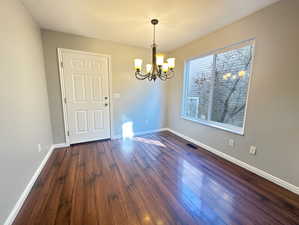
{"x":154,"y":180}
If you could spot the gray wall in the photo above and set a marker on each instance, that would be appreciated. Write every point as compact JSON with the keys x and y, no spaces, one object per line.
{"x":141,"y":102}
{"x":272,"y":122}
{"x":24,"y":114}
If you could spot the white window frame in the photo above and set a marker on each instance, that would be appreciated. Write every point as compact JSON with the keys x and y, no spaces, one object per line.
{"x":208,"y":122}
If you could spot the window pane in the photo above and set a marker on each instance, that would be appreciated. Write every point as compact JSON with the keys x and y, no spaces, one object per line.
{"x":231,"y":85}
{"x":216,"y":87}
{"x":198,"y":87}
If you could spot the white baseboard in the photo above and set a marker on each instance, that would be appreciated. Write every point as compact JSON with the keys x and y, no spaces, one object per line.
{"x":10,"y":219}
{"x":61,"y":145}
{"x":141,"y":133}
{"x":240,"y":163}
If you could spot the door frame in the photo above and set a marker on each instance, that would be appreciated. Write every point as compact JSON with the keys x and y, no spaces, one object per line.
{"x":60,"y":51}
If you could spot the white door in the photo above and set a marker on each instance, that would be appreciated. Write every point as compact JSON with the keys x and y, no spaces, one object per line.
{"x":86,"y":84}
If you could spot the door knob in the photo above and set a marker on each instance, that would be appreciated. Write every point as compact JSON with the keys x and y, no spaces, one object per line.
{"x":106,"y":104}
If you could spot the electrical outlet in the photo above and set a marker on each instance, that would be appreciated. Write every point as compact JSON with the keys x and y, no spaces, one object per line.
{"x":39,"y":147}
{"x":231,"y":143}
{"x":252,"y":150}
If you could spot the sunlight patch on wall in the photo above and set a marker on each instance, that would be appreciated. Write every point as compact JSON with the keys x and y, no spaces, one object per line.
{"x":127,"y":130}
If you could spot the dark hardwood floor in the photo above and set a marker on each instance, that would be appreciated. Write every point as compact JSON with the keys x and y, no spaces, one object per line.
{"x":154,"y":179}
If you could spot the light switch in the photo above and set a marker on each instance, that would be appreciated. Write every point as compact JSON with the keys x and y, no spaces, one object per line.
{"x":252,"y":150}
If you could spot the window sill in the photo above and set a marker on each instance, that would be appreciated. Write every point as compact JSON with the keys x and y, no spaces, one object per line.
{"x":225,"y":127}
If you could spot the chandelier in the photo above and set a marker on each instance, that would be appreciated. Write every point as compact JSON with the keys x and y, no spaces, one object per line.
{"x":158,"y":68}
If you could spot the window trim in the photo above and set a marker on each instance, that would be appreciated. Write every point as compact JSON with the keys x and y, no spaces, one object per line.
{"x":209,"y":123}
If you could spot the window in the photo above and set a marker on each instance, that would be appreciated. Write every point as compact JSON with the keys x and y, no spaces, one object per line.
{"x":216,"y":87}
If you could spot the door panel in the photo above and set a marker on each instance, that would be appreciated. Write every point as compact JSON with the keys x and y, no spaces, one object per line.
{"x":81,"y":122}
{"x":98,"y":122}
{"x":79,"y":88}
{"x":87,"y":96}
{"x":96,"y":87}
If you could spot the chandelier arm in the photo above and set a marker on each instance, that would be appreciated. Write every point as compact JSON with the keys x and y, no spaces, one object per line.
{"x":166,"y":76}
{"x":138,"y":73}
{"x":163,"y":74}
{"x":141,"y":76}
{"x":163,"y":77}
{"x":150,"y":78}
{"x":170,"y":74}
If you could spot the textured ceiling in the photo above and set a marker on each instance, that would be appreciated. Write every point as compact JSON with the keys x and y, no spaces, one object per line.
{"x":128,"y":21}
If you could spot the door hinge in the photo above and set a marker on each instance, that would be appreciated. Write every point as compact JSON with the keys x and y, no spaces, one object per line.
{"x":61,"y":64}
{"x":65,"y":101}
{"x":68,"y":133}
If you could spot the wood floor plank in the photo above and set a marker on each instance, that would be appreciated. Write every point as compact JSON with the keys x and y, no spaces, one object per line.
{"x":154,"y":179}
{"x":66,"y":198}
{"x":49,"y":213}
{"x":78,"y":196}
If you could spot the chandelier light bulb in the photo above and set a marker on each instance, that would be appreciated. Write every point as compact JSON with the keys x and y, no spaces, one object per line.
{"x":138,"y":64}
{"x":171,"y":63}
{"x":160,"y":60}
{"x":165,"y":67}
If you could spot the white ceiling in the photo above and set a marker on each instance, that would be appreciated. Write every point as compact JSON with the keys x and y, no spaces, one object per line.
{"x":128,"y":21}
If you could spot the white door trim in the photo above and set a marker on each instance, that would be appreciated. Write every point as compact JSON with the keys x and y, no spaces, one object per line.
{"x":60,"y":51}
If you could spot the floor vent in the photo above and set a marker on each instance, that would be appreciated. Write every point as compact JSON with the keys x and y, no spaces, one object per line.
{"x":192,"y":145}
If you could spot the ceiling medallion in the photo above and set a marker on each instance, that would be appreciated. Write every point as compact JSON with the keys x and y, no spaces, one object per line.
{"x":158,"y":69}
